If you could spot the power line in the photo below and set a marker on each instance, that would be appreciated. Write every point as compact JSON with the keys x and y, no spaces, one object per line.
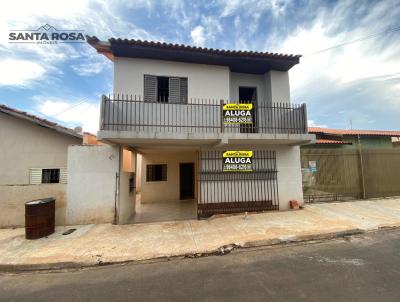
{"x":69,"y":108}
{"x":355,"y":41}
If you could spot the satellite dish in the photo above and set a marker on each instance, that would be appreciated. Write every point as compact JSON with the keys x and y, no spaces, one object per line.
{"x":78,"y":129}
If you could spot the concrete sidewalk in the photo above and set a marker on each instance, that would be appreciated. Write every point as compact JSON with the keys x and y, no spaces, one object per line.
{"x":99,"y":244}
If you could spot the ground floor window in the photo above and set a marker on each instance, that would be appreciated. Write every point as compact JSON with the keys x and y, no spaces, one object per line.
{"x":50,"y":176}
{"x":156,"y":172}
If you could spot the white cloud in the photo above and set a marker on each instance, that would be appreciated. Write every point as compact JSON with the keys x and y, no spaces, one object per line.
{"x":312,"y":123}
{"x":345,"y":66}
{"x":71,"y":113}
{"x":88,"y":69}
{"x":95,"y":17}
{"x":206,"y":32}
{"x":15,"y":72}
{"x":253,"y":7}
{"x":197,"y":35}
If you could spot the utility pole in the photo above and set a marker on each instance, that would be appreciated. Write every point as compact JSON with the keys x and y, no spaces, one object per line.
{"x":360,"y":156}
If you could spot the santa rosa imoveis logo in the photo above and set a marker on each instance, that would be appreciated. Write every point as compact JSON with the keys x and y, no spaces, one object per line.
{"x":46,"y":34}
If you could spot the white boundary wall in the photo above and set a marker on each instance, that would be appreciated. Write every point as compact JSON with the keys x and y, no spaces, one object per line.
{"x":91,"y":184}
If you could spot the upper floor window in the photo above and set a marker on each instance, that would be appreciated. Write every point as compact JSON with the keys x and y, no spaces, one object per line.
{"x":165,"y":89}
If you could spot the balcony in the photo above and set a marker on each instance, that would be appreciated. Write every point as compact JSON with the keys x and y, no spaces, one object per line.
{"x":129,"y":119}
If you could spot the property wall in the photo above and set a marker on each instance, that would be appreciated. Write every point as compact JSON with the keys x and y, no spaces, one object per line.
{"x":26,"y":145}
{"x":204,"y":81}
{"x":13,"y":198}
{"x":92,"y":184}
{"x":165,"y":191}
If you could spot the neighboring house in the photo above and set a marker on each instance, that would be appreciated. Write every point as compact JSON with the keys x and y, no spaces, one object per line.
{"x":33,"y":163}
{"x":164,"y":126}
{"x":340,"y":138}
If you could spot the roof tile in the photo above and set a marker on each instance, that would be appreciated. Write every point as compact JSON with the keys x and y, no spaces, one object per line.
{"x":40,"y":121}
{"x":353,"y":132}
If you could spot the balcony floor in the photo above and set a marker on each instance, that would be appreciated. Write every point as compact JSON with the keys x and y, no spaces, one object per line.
{"x":143,"y":138}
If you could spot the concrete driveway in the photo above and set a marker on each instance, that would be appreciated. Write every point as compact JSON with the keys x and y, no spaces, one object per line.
{"x":98,"y":244}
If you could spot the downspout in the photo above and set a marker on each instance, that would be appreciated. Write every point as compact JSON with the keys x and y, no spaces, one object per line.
{"x":117,"y":182}
{"x":359,"y":147}
{"x":116,"y":198}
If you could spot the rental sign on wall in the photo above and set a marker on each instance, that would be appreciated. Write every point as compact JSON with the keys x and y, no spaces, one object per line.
{"x":238,"y":161}
{"x":238,"y":114}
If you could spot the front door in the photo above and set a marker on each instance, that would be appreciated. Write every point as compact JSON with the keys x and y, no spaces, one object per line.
{"x":186,"y":180}
{"x":248,"y":95}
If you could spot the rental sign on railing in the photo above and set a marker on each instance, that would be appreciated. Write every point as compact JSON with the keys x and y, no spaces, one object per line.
{"x":237,"y":161}
{"x":238,"y":114}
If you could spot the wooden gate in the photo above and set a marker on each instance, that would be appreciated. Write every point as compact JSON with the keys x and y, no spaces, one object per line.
{"x":231,"y":192}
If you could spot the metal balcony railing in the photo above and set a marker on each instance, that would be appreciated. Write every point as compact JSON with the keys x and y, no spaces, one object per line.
{"x":131,"y":113}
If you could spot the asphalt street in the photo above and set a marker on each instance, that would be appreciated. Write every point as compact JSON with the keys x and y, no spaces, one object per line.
{"x":361,"y":268}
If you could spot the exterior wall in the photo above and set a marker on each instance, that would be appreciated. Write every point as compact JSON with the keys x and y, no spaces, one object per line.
{"x":92,"y":183}
{"x":127,"y":199}
{"x":138,"y":173}
{"x":289,"y":175}
{"x":25,"y":145}
{"x":165,"y":191}
{"x":13,"y":198}
{"x":277,"y":86}
{"x":247,"y":80}
{"x":204,"y":81}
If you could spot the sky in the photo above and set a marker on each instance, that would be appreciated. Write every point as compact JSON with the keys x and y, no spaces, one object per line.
{"x":354,"y":82}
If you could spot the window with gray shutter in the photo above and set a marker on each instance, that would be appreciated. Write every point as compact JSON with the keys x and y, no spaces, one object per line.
{"x":63,"y":176}
{"x":39,"y":176}
{"x":150,"y":88}
{"x":183,"y":90}
{"x":165,"y":89}
{"x":35,"y":176}
{"x":174,"y":90}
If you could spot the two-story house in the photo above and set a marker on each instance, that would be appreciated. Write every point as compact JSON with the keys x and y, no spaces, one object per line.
{"x":169,"y":108}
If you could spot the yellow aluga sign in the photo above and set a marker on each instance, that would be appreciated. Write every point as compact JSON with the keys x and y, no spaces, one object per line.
{"x":238,"y":154}
{"x":238,"y":107}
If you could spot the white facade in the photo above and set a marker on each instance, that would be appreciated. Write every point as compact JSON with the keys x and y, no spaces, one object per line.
{"x":204,"y":81}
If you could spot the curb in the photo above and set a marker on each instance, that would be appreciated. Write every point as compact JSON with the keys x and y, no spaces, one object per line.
{"x":226,"y":249}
